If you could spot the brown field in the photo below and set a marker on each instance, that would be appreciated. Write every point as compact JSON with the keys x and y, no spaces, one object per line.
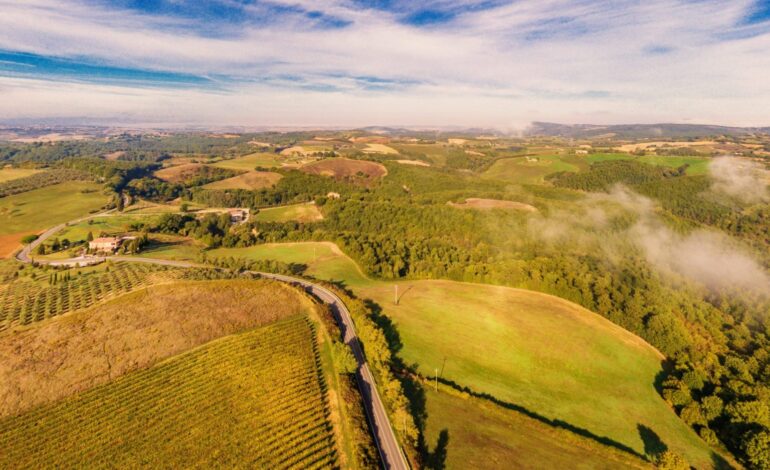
{"x":646,"y":145}
{"x":483,"y":204}
{"x":75,"y":352}
{"x":380,"y":148}
{"x":341,"y":168}
{"x":114,"y":155}
{"x":413,"y":162}
{"x":250,"y":180}
{"x":9,"y":243}
{"x":177,"y":174}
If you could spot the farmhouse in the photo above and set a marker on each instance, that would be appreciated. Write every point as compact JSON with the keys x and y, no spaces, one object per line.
{"x":238,"y":215}
{"x":581,"y":152}
{"x":107,"y":244}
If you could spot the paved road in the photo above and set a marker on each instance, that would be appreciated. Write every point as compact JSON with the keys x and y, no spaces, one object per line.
{"x":385,"y":438}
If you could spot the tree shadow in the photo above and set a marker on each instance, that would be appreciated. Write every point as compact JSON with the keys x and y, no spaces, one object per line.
{"x":388,"y":328}
{"x":666,"y":367}
{"x":436,"y":460}
{"x":556,"y":423}
{"x":653,"y":445}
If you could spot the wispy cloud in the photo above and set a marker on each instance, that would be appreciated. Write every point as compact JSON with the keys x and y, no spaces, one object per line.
{"x":620,"y":61}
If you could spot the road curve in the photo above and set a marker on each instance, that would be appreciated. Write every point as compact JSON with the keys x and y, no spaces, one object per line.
{"x":387,"y":444}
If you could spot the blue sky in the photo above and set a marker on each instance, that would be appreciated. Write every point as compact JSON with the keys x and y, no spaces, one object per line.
{"x":344,"y":63}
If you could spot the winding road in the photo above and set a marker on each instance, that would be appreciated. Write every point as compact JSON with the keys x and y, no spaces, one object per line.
{"x":390,"y":452}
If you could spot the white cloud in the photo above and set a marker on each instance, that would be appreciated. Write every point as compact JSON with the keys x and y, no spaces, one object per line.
{"x":514,"y":63}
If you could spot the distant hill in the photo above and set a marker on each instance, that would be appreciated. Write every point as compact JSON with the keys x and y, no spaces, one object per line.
{"x":639,"y":131}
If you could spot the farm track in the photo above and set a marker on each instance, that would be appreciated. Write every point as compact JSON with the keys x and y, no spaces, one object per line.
{"x":390,"y":452}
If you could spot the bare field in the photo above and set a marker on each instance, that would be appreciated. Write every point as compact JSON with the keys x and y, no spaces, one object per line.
{"x":380,"y":148}
{"x":413,"y":162}
{"x":248,"y":181}
{"x":177,"y":174}
{"x":53,"y":359}
{"x":484,"y":204}
{"x":345,"y":168}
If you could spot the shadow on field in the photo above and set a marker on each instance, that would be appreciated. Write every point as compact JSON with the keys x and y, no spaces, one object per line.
{"x":557,"y":423}
{"x":653,"y":445}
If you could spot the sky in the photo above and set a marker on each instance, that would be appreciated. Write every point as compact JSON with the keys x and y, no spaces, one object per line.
{"x":352,"y":63}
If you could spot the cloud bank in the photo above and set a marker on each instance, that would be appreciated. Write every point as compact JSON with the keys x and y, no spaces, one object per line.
{"x":356,"y":62}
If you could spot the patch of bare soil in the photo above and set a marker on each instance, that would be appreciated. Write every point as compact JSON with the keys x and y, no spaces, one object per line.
{"x":484,"y":204}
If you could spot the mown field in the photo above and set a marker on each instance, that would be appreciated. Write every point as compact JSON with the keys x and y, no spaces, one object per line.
{"x":249,"y":400}
{"x":538,"y":352}
{"x":249,"y":181}
{"x":250,"y":162}
{"x":306,"y":212}
{"x":8,"y":174}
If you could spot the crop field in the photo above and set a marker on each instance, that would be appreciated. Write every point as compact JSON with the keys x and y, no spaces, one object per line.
{"x":341,"y":168}
{"x":249,"y":181}
{"x":480,"y":434}
{"x":307,"y":212}
{"x":253,"y":399}
{"x":130,"y":333}
{"x":8,"y":174}
{"x":532,"y":350}
{"x":250,"y":162}
{"x":23,"y":302}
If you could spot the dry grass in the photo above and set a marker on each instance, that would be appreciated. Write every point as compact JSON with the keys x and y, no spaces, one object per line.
{"x":485,"y":204}
{"x":54,"y":359}
{"x":380,"y":148}
{"x":8,"y":174}
{"x":177,"y":174}
{"x":646,"y":145}
{"x":413,"y":162}
{"x":248,"y":181}
{"x":343,"y":168}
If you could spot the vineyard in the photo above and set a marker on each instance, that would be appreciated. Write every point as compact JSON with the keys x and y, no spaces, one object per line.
{"x":26,"y":301}
{"x":252,"y":400}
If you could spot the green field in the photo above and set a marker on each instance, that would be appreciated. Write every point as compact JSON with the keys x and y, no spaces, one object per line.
{"x":8,"y":174}
{"x":520,"y":170}
{"x":249,"y":162}
{"x":480,"y":434}
{"x":697,"y":165}
{"x":253,"y":399}
{"x":46,"y":207}
{"x":527,"y":349}
{"x":307,"y":212}
{"x":111,"y":224}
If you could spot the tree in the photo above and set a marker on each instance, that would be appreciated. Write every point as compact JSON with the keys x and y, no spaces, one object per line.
{"x":344,"y":361}
{"x":670,"y":460}
{"x":40,"y":249}
{"x":90,"y":237}
{"x":758,"y":450}
{"x":27,"y":239}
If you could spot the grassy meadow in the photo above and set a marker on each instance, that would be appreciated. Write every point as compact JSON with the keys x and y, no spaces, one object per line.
{"x":531,"y":350}
{"x":305,"y":212}
{"x":8,"y":174}
{"x":466,"y":432}
{"x":46,"y":207}
{"x":37,"y":210}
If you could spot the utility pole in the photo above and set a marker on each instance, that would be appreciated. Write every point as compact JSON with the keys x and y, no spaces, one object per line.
{"x":395,"y":295}
{"x":437,"y":379}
